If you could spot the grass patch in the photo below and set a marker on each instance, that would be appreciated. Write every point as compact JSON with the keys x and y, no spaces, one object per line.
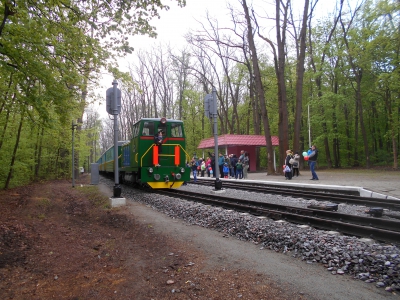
{"x":44,"y":203}
{"x":95,"y":197}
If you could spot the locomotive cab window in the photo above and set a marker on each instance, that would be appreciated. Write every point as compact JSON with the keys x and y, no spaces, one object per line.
{"x":135,"y":130}
{"x":148,"y":128}
{"x":163,"y":129}
{"x":176,"y":130}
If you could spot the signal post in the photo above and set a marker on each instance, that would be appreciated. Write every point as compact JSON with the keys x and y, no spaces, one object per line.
{"x":113,"y":106}
{"x":211,"y":112}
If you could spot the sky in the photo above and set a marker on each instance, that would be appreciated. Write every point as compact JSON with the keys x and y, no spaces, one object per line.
{"x":171,"y":28}
{"x":176,"y":22}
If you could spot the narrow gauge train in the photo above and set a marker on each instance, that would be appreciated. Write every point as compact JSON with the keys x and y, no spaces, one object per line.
{"x":155,"y":156}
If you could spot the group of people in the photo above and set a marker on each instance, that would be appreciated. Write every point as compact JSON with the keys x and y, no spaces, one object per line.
{"x":229,"y":166}
{"x":292,"y":163}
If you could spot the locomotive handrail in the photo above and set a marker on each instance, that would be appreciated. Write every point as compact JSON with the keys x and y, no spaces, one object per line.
{"x":144,"y":154}
{"x":180,"y":146}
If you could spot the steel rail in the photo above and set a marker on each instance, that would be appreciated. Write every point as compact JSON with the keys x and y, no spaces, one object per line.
{"x":379,"y":229}
{"x":318,"y":196}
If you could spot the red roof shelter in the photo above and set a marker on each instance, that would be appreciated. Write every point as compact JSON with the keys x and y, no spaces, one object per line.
{"x":233,"y":144}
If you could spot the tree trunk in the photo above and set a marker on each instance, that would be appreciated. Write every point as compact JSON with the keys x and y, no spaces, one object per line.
{"x":259,"y":89}
{"x":283,"y":123}
{"x":39,"y":154}
{"x":361,"y":113}
{"x":358,"y":74}
{"x":14,"y":154}
{"x":318,"y":79}
{"x":392,"y":129}
{"x":300,"y":78}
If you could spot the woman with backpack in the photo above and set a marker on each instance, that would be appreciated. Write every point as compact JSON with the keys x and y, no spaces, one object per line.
{"x":288,"y":165}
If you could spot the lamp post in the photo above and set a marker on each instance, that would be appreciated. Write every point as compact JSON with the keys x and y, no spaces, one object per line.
{"x":73,"y":126}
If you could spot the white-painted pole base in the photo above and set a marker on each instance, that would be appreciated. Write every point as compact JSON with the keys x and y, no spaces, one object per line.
{"x":116,"y":202}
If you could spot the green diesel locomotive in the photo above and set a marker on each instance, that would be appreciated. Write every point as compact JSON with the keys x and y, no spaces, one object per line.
{"x":155,"y":156}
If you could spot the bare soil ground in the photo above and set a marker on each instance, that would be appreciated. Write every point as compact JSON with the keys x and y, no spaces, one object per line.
{"x":59,"y":242}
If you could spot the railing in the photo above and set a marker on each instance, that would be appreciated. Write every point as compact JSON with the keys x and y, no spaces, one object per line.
{"x":165,"y":155}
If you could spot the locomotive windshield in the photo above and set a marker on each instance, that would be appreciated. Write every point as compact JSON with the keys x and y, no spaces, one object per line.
{"x":176,"y":130}
{"x":148,"y":128}
{"x":162,"y":128}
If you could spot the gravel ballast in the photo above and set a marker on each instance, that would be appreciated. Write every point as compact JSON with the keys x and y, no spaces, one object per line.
{"x":366,"y":260}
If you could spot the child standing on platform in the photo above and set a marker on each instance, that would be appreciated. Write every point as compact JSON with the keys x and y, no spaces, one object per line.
{"x":239,"y":170}
{"x":225,"y":169}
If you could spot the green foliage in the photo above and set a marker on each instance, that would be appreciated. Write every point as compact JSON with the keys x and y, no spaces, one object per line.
{"x":96,"y":198}
{"x":196,"y":125}
{"x":49,"y":51}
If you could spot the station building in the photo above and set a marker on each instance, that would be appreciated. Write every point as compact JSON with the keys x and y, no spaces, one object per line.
{"x":234,"y":143}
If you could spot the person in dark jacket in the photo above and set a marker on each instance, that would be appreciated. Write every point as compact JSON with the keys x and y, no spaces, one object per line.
{"x":193,"y":166}
{"x":212,"y":156}
{"x":312,"y":160}
{"x":158,"y":140}
{"x":288,"y":165}
{"x":246,"y":164}
{"x":234,"y":161}
{"x":221,"y":161}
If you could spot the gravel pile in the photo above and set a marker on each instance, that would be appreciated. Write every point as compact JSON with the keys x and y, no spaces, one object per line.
{"x":363,"y":259}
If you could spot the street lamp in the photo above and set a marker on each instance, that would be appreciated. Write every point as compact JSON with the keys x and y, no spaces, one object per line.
{"x":73,"y":126}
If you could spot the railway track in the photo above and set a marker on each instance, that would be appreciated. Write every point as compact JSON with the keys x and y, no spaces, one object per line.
{"x":376,"y":228}
{"x":309,"y":193}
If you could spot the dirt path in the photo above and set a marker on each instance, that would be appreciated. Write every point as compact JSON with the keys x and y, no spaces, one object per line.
{"x":57,"y":242}
{"x":291,"y":275}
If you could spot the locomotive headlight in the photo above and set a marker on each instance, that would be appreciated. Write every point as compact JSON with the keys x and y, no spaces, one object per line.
{"x":182,"y":170}
{"x":178,"y":176}
{"x":150,"y":170}
{"x":157,"y":176}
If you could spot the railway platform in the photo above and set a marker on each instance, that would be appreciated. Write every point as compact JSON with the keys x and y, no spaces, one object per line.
{"x":367,"y":182}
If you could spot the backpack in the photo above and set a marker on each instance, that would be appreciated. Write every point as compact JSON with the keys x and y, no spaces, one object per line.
{"x":239,"y":166}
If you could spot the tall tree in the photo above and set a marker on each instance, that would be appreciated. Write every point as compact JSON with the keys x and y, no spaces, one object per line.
{"x":301,"y":54}
{"x":259,"y":88}
{"x":357,"y":70}
{"x":318,"y":70}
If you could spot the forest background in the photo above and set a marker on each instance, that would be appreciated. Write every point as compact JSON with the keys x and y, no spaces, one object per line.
{"x":337,"y":75}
